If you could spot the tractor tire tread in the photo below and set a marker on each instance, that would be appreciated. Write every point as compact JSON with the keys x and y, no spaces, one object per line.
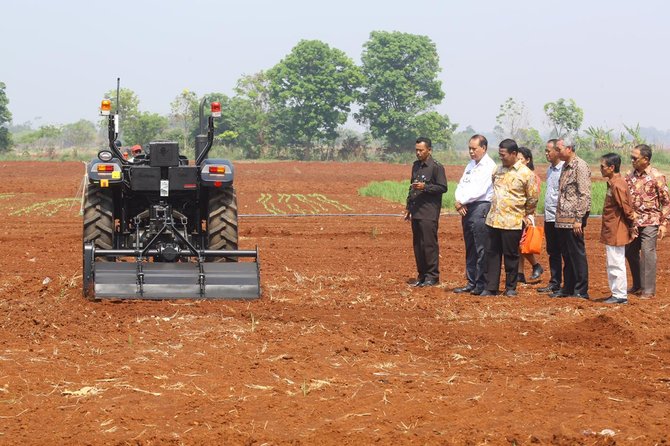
{"x":222,"y":221}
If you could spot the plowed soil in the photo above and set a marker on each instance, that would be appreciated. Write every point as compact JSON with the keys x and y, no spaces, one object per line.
{"x":339,"y":349}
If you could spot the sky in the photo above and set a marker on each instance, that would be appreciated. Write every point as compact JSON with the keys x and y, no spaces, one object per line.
{"x":58,"y":59}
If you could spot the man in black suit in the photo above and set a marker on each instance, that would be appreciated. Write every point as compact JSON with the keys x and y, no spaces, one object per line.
{"x":424,"y":201}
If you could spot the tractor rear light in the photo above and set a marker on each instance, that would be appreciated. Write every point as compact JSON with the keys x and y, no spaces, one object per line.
{"x":216,"y":109}
{"x":218,"y":184}
{"x":105,"y":107}
{"x":105,"y":167}
{"x":217,"y":169}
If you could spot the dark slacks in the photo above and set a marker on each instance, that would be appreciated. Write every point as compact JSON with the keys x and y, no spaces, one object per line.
{"x":643,"y":268}
{"x":426,"y":249}
{"x":503,"y":243}
{"x":476,"y":236}
{"x":556,"y":258}
{"x":576,"y":272}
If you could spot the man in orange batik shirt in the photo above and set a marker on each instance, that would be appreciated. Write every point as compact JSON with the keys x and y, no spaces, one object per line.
{"x":515,"y":195}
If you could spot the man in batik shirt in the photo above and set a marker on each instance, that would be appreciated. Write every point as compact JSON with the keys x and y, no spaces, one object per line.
{"x":514,"y":202}
{"x":651,"y":203}
{"x":572,"y":213}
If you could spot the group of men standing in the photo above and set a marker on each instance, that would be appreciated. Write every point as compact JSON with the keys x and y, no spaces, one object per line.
{"x":496,"y":202}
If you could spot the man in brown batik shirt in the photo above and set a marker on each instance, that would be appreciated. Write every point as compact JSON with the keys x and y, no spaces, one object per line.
{"x":572,"y":212}
{"x":618,"y":227}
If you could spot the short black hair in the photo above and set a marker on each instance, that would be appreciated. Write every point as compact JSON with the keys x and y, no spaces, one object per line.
{"x":509,"y":145}
{"x":645,"y":150}
{"x":525,"y":151}
{"x":612,"y":159}
{"x":481,"y":140}
{"x":426,"y":141}
{"x":553,"y":142}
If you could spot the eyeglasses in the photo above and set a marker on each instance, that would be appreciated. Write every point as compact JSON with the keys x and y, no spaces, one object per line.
{"x":635,"y":158}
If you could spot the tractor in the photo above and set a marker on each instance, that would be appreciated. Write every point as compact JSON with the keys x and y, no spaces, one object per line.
{"x":160,"y":226}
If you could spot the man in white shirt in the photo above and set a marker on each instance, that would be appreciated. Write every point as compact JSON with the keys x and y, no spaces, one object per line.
{"x":473,"y":201}
{"x":556,"y":260}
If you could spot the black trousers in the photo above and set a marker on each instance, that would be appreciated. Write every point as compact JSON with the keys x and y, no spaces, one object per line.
{"x":476,"y":236}
{"x":576,"y":277}
{"x":426,"y":249}
{"x":556,"y":257}
{"x":503,"y":243}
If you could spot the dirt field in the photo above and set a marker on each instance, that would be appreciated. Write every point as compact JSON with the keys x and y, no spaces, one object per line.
{"x":339,"y":350}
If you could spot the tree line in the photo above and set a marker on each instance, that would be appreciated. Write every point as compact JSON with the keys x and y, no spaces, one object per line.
{"x":297,"y":108}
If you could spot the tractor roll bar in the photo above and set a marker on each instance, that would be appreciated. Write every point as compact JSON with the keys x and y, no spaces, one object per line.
{"x":113,"y":126}
{"x":111,"y":129}
{"x":210,"y":140}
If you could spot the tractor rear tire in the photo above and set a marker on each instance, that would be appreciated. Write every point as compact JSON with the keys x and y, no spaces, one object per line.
{"x":99,"y":217}
{"x":222,"y":221}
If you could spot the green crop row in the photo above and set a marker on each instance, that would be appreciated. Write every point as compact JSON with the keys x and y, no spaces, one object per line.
{"x":396,"y":191}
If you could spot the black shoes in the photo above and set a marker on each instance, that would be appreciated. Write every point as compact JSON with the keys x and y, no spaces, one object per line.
{"x":521,"y":278}
{"x":420,"y":283}
{"x":537,"y":272}
{"x":615,"y":300}
{"x":561,"y":293}
{"x":477,"y":291}
{"x":547,"y":289}
{"x":507,"y":293}
{"x":465,"y":289}
{"x":429,"y":282}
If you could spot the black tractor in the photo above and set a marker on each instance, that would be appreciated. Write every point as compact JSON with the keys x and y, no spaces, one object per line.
{"x":160,"y":226}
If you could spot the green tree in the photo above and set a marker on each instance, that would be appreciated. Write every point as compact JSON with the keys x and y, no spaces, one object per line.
{"x":182,"y":111}
{"x":79,"y":134}
{"x":251,"y":110}
{"x":600,"y":139}
{"x":146,"y":127}
{"x":438,"y":127}
{"x":633,"y":138}
{"x":311,"y":92}
{"x":223,"y":124}
{"x":128,"y":106}
{"x":46,"y":138}
{"x":5,"y":119}
{"x":128,"y":110}
{"x":46,"y":133}
{"x":460,"y":140}
{"x":400,"y":83}
{"x":530,"y":137}
{"x":564,"y":115}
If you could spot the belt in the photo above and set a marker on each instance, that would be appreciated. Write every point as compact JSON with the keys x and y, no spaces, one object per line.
{"x":476,"y":203}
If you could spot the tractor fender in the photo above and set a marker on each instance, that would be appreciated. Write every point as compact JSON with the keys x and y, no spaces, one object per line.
{"x":96,"y":176}
{"x":208,"y":178}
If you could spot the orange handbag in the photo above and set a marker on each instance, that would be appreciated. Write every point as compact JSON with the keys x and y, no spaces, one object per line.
{"x":531,"y":239}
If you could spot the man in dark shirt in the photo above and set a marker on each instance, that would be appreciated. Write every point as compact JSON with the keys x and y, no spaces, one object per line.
{"x":424,"y":202}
